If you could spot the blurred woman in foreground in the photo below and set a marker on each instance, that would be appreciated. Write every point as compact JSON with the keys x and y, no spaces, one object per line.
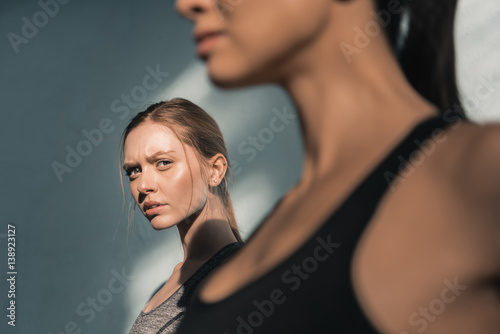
{"x":394,"y":224}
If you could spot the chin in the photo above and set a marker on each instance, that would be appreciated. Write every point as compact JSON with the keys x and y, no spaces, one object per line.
{"x":229,"y":74}
{"x":227,"y":82}
{"x":159,"y":224}
{"x":157,"y":228}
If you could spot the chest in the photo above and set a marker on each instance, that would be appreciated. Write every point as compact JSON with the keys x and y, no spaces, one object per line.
{"x":405,"y":249}
{"x":293,"y":222}
{"x":165,"y":292}
{"x":418,"y":243}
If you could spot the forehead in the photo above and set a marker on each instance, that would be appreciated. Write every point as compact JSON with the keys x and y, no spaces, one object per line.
{"x":148,"y":138}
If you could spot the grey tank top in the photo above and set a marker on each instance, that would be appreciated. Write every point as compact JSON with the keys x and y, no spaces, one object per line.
{"x":166,"y":317}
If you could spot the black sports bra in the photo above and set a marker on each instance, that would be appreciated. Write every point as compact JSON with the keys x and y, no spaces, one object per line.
{"x":311,"y":290}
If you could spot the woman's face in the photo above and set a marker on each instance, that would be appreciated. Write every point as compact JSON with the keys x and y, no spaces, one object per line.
{"x":254,"y":41}
{"x":160,"y":179}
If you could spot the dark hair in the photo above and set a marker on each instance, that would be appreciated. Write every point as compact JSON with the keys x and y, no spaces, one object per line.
{"x":194,"y":127}
{"x":428,"y":55}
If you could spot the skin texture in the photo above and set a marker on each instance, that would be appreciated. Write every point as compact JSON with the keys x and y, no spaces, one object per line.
{"x":163,"y":177}
{"x":352,"y":112}
{"x":158,"y":171}
{"x":242,"y":56}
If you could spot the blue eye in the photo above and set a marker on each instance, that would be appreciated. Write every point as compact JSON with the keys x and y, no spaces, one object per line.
{"x":132,"y":171}
{"x":164,"y":163}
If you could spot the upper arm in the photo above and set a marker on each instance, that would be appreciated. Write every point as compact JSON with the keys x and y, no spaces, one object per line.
{"x":476,"y":181}
{"x":478,"y":169}
{"x":480,"y":180}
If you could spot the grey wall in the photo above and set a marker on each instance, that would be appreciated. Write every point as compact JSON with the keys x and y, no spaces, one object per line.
{"x":71,"y":233}
{"x":69,"y":77}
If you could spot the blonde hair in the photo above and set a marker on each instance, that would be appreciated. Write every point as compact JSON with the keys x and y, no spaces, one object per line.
{"x":193,"y":126}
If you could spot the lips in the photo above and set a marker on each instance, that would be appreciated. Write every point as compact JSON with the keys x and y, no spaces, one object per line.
{"x":206,"y":40}
{"x":151,"y":208}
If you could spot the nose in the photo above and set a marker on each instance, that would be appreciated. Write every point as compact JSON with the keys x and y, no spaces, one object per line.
{"x":190,"y":9}
{"x":147,"y":183}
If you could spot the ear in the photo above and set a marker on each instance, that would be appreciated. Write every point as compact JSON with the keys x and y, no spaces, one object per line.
{"x":218,"y":168}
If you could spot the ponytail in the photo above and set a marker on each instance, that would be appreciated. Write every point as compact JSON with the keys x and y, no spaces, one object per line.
{"x":228,"y":205}
{"x":427,"y":55}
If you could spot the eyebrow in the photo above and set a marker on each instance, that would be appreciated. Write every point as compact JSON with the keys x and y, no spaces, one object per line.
{"x":150,"y":159}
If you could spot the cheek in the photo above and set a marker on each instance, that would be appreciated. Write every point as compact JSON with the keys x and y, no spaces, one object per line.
{"x":261,"y":37}
{"x":180,"y":189}
{"x":198,"y":191}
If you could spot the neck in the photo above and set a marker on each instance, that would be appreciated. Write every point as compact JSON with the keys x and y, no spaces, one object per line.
{"x":350,"y":108}
{"x":205,"y":232}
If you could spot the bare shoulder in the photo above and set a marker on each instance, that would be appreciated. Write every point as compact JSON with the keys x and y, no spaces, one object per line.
{"x":436,"y":234}
{"x":468,"y":165}
{"x":476,"y":150}
{"x":470,"y":159}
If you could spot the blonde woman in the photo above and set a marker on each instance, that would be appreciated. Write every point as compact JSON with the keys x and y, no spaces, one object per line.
{"x":178,"y":168}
